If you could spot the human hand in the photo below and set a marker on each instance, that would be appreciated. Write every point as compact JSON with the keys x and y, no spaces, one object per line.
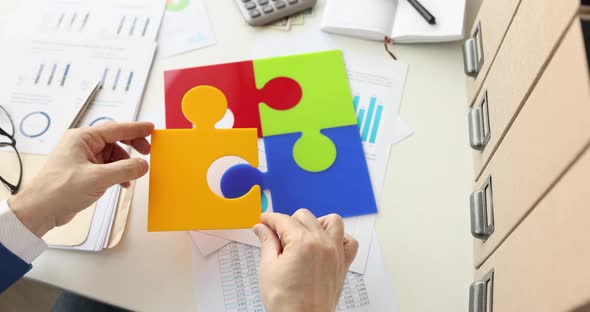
{"x":303,"y":261}
{"x":85,"y":163}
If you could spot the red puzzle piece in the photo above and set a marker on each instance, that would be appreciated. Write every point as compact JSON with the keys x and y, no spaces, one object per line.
{"x":237,"y":82}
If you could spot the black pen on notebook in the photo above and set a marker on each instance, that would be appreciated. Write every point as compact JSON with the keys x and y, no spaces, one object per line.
{"x":422,"y":10}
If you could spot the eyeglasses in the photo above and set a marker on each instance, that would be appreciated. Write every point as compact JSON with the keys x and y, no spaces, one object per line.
{"x":10,"y":177}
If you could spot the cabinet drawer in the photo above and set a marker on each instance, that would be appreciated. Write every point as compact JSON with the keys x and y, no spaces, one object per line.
{"x":550,"y":132}
{"x":536,"y":30}
{"x":487,"y":33}
{"x":543,"y":266}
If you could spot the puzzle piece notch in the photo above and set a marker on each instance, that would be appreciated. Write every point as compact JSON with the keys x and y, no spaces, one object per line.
{"x":237,"y":82}
{"x":204,"y":117}
{"x":314,"y":152}
{"x":326,"y":103}
{"x":238,"y":179}
{"x":280,"y":93}
{"x":345,"y":188}
{"x":180,"y":197}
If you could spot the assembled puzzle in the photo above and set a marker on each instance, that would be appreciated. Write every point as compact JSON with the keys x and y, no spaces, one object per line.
{"x":301,"y":107}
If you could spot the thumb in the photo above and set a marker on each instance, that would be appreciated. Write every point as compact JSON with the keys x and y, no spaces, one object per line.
{"x":122,"y":171}
{"x":351,"y":246}
{"x":270,"y":244}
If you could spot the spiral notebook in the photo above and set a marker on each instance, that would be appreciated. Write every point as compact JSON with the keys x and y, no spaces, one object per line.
{"x":396,"y":19}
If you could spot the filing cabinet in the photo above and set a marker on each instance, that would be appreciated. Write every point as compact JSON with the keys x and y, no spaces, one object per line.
{"x":543,"y":266}
{"x":529,"y":207}
{"x":484,"y":40}
{"x":550,"y":132}
{"x":530,"y":40}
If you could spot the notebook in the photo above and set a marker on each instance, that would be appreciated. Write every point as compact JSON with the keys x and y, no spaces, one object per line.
{"x":397,"y":19}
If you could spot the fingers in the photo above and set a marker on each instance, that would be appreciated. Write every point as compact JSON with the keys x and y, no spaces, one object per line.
{"x":270,"y":244}
{"x":334,"y":226}
{"x":141,"y":145}
{"x":114,"y":152}
{"x":127,"y":131}
{"x":351,"y":246}
{"x":122,"y":171}
{"x":284,"y":225}
{"x":308,"y":220}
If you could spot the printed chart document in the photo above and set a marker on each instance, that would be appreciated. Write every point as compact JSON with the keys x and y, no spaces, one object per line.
{"x":78,"y":19}
{"x":48,"y":81}
{"x":42,"y":106}
{"x":377,"y":88}
{"x":228,"y":281}
{"x":185,"y":27}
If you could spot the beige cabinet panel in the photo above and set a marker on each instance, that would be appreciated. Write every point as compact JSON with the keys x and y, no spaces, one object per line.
{"x":543,"y":266}
{"x":488,"y":31}
{"x":551,"y":131}
{"x":536,"y":30}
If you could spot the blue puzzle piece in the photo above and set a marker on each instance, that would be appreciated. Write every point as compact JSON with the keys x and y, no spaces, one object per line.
{"x":344,"y":188}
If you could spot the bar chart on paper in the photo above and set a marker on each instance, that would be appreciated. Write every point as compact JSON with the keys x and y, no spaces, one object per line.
{"x":369,"y":118}
{"x":369,"y":112}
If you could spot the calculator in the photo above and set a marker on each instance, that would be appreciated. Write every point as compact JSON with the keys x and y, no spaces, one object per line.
{"x":262,"y":12}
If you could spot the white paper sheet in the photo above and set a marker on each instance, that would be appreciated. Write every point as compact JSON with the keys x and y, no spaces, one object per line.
{"x":41,"y":93}
{"x":79,"y":19}
{"x":377,"y":86}
{"x":123,"y":70}
{"x":361,"y":228}
{"x":228,"y":281}
{"x":398,"y":19}
{"x":409,"y":26}
{"x":185,"y":27}
{"x":45,"y":83}
{"x":207,"y":244}
{"x":366,"y":19}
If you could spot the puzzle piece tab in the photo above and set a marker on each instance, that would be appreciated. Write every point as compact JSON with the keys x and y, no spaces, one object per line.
{"x":237,"y":82}
{"x":344,"y":188}
{"x":326,"y":103}
{"x":180,"y":198}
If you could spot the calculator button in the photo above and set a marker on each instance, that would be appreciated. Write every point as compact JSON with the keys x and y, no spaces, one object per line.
{"x":262,"y":2}
{"x":254,"y":13}
{"x":280,"y":4}
{"x":267,"y":8}
{"x":292,"y":1}
{"x":250,"y":5}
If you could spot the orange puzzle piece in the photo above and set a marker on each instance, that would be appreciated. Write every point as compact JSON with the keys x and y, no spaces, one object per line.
{"x":180,"y":198}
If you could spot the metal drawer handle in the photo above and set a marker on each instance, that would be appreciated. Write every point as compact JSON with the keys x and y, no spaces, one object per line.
{"x":481,"y":294}
{"x":482,"y":211}
{"x":473,"y":57}
{"x":479,"y":125}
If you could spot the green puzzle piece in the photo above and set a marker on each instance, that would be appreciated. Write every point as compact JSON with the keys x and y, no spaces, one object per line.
{"x":326,"y":103}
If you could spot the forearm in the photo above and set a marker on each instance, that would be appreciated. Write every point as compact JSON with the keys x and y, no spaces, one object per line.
{"x":27,"y":211}
{"x":18,"y":246}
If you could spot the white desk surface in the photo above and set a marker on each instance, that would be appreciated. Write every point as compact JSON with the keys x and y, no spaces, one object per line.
{"x":423,"y":223}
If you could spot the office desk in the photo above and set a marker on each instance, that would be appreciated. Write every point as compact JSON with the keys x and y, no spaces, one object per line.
{"x":422,"y":226}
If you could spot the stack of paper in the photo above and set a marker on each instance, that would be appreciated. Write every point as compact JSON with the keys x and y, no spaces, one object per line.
{"x":59,"y":50}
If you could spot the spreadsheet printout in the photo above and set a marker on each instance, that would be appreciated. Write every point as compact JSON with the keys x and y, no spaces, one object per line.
{"x":228,"y":281}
